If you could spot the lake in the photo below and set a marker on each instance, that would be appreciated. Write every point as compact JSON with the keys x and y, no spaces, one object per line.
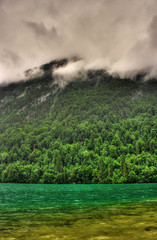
{"x":93,"y":212}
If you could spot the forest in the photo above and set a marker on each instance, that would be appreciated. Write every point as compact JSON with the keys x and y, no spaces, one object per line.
{"x":97,"y":129}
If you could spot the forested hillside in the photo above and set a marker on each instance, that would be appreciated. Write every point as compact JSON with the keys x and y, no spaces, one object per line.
{"x":98,"y":129}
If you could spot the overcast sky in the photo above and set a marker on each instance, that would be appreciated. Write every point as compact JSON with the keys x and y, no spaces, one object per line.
{"x":119,"y":35}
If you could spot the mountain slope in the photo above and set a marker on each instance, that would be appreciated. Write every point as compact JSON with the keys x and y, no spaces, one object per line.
{"x":98,"y":129}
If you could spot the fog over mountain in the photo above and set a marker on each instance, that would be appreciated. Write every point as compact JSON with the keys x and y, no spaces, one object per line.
{"x":118,"y":35}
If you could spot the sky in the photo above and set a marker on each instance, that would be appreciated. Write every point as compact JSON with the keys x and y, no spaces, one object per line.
{"x":117,"y":35}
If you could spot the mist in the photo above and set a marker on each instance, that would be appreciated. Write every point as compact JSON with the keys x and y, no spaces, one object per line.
{"x":117,"y":35}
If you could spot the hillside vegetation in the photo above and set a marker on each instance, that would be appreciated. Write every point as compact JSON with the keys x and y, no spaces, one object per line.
{"x":98,"y":129}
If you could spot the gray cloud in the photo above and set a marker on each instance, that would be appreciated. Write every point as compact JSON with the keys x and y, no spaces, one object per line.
{"x":9,"y":58}
{"x":119,"y":35}
{"x":40,"y":30}
{"x":153,"y":32}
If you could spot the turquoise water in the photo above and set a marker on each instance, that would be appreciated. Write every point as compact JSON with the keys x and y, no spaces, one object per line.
{"x":78,"y":211}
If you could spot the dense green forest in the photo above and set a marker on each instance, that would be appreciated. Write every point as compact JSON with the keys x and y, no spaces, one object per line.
{"x":97,"y":129}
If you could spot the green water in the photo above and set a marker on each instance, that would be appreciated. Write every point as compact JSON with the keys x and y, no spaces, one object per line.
{"x":94,"y":212}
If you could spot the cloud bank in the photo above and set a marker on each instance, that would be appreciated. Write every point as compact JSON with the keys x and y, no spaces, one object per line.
{"x":118,"y":35}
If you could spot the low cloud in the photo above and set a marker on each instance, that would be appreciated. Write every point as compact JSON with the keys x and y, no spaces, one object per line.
{"x":117,"y":35}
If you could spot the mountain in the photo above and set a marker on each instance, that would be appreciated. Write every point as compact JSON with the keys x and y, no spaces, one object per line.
{"x":96,"y":129}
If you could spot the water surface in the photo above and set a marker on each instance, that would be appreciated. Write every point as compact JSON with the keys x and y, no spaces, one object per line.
{"x":94,"y":212}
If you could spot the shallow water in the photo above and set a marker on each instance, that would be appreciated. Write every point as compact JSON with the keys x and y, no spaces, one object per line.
{"x":94,"y":212}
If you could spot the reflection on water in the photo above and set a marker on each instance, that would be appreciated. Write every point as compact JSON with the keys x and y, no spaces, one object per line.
{"x":79,"y":216}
